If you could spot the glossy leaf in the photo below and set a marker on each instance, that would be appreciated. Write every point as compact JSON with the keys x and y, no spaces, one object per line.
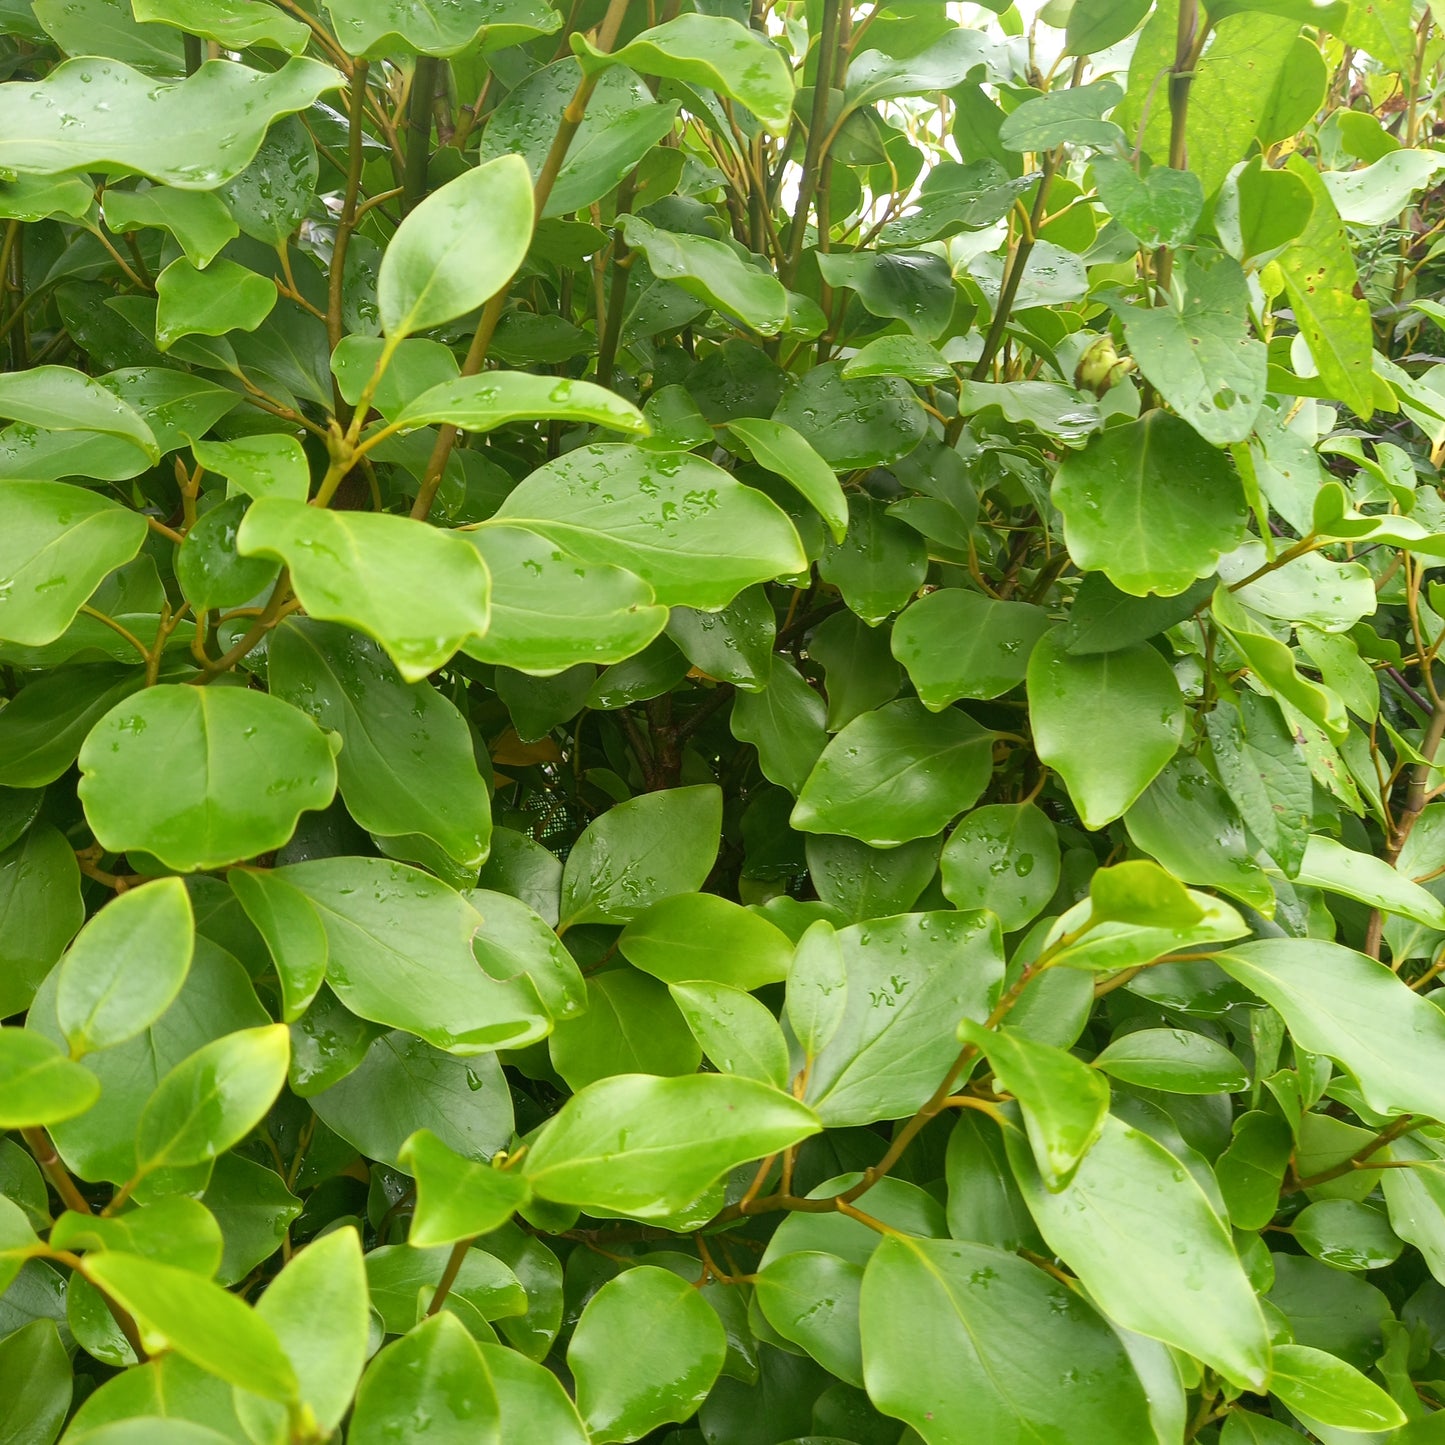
{"x":40,"y":1085}
{"x":406,"y":765}
{"x":696,"y":537}
{"x":59,"y":542}
{"x":782,"y":450}
{"x":1004,"y":858}
{"x":437,"y":1374}
{"x":243,"y":767}
{"x":646,"y":1351}
{"x":456,"y":248}
{"x":1339,"y":1003}
{"x":213,"y":1099}
{"x":1107,"y":722}
{"x":126,"y":966}
{"x":457,"y":1198}
{"x":1064,"y":1103}
{"x":701,"y":937}
{"x":640,"y":852}
{"x":1150,"y":505}
{"x":896,"y":774}
{"x":953,"y":1334}
{"x":426,"y":28}
{"x":956,"y":644}
{"x":365,"y":570}
{"x":180,"y":1310}
{"x":192,"y":133}
{"x":1145,"y":1242}
{"x":399,"y":952}
{"x":648,"y":1147}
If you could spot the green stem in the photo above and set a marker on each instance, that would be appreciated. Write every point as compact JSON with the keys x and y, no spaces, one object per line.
{"x":418,"y":131}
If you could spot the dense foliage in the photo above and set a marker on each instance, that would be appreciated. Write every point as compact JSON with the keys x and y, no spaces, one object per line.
{"x":719,"y":723}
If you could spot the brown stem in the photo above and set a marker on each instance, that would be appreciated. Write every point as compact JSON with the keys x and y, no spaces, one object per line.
{"x":53,"y":1167}
{"x":449,"y":1275}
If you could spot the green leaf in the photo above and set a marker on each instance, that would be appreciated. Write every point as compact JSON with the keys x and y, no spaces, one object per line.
{"x":1274,"y":665}
{"x":175,"y":1229}
{"x":784,"y":451}
{"x":639,"y":852}
{"x":1072,"y":115}
{"x":193,"y":134}
{"x":551,"y":610}
{"x":317,"y":1306}
{"x":1174,"y":1060}
{"x":233,"y":24}
{"x":212,"y":1100}
{"x":268,"y":465}
{"x":457,"y":1198}
{"x":1326,"y":1389}
{"x":896,"y":774}
{"x":853,"y":422}
{"x":817,"y":995}
{"x":713,"y":272}
{"x":215,"y":1000}
{"x":240,"y":766}
{"x":736,"y":1032}
{"x":1260,"y":211}
{"x":954,"y":1335}
{"x":197,"y":219}
{"x":292,"y":930}
{"x":695,"y":536}
{"x":456,"y":248}
{"x":404,"y":1084}
{"x":38,"y":1084}
{"x":1161,"y":208}
{"x":400,"y":953}
{"x":910,"y":980}
{"x":177,"y":1309}
{"x":499,"y":398}
{"x":1095,"y":25}
{"x":645,"y":1352}
{"x":955,"y":643}
{"x":1107,"y":722}
{"x":1003,"y":857}
{"x":694,"y":937}
{"x":211,"y":573}
{"x":516,"y":941}
{"x":126,"y":966}
{"x":1339,"y":1003}
{"x":224,"y":297}
{"x":647,"y":1147}
{"x":420,"y":592}
{"x":272,"y":196}
{"x":785,"y":723}
{"x":630,"y":1025}
{"x":1145,"y":1242}
{"x":904,"y":356}
{"x":1063,"y":1101}
{"x":532,"y":1399}
{"x":56,"y":544}
{"x":1199,"y":353}
{"x":1185,"y":819}
{"x":877,"y":75}
{"x":1320,"y":281}
{"x":427,"y":28}
{"x":879,"y":564}
{"x":40,"y":910}
{"x":1347,"y":1235}
{"x":715,"y":52}
{"x":622,"y":122}
{"x":406,"y":765}
{"x":437,"y":1374}
{"x":35,"y":1384}
{"x":913,"y":287}
{"x":811,"y":1298}
{"x":1150,"y":504}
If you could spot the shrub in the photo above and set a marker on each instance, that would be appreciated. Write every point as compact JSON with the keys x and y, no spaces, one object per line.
{"x":720,"y":723}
